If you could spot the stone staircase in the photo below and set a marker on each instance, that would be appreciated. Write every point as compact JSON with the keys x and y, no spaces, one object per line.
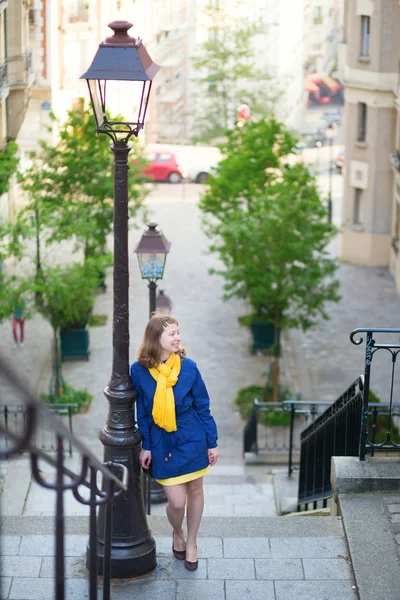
{"x":245,"y":550}
{"x":259,"y":558}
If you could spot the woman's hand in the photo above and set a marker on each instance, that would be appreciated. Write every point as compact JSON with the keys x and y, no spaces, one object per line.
{"x":145,"y":458}
{"x":212,"y":456}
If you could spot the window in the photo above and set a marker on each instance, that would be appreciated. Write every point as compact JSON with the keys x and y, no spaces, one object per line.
{"x":362,"y":122}
{"x":163,"y":157}
{"x":318,"y":16}
{"x":357,"y":207}
{"x":365,"y":34}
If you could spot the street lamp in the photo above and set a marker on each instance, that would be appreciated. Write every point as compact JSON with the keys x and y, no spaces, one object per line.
{"x":318,"y":146}
{"x":163,"y":303}
{"x":152,"y":250}
{"x":330,"y":133}
{"x":122,"y":58}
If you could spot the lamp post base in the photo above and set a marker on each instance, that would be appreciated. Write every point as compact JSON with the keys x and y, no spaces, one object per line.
{"x":129,"y":561}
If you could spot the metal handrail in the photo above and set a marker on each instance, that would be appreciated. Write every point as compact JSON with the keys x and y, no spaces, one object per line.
{"x":56,"y":424}
{"x":371,"y":347}
{"x":100,"y":531}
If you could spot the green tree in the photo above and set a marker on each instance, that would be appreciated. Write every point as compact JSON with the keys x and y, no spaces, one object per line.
{"x":270,"y":230}
{"x":8,"y":164}
{"x":71,"y":184}
{"x":228,"y":75}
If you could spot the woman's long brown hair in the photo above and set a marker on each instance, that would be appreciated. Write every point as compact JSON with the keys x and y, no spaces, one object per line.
{"x":149,"y":353}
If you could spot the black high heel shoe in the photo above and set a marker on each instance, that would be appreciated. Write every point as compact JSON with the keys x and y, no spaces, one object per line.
{"x":191,"y":566}
{"x":179,"y":554}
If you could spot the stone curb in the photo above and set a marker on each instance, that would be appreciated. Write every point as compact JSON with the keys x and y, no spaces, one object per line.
{"x":210,"y":526}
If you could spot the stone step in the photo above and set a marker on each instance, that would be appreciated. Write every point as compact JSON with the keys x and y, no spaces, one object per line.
{"x":229,"y":490}
{"x":244,"y":557}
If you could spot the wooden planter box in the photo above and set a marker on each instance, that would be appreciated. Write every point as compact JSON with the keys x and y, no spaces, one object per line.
{"x":74,"y":343}
{"x":263,"y":334}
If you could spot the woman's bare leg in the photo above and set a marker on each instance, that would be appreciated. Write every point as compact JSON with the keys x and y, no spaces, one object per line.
{"x":194,"y":512}
{"x":176,"y":495}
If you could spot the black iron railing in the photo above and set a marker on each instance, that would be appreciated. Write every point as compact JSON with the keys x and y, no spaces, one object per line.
{"x":280,"y":434}
{"x":13,"y":418}
{"x":334,"y":433}
{"x":391,"y":440}
{"x":114,"y":475}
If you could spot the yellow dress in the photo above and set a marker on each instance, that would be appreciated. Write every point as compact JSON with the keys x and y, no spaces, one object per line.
{"x":183,"y":478}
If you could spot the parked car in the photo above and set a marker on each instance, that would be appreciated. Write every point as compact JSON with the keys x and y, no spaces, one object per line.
{"x":195,"y":163}
{"x":339,"y":162}
{"x":163,"y":166}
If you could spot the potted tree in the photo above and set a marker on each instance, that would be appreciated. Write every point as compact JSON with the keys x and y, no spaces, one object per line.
{"x":67,"y":303}
{"x":270,"y":229}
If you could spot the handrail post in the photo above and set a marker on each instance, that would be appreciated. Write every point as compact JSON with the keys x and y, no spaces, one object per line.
{"x":364,"y":413}
{"x":292,"y":413}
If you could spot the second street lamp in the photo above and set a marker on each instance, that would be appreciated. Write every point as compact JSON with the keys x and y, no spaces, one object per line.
{"x":152,"y":250}
{"x":123,"y":59}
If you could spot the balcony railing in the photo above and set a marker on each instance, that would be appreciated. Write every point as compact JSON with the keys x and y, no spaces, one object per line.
{"x":20,"y":68}
{"x":395,"y":160}
{"x":3,"y":75}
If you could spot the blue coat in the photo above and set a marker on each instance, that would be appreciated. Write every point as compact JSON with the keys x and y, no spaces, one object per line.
{"x":185,"y":450}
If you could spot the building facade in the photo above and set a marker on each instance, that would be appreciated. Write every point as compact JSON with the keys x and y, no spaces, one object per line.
{"x":323,"y":24}
{"x":370,"y":61}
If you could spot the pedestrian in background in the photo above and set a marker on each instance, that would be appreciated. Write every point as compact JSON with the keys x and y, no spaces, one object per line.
{"x":18,"y":321}
{"x":179,"y":433}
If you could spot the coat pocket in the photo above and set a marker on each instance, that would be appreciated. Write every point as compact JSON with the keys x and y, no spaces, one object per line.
{"x":155,"y":436}
{"x":190,"y":433}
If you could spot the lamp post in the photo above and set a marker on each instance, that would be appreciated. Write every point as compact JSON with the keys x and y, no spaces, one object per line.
{"x":121,"y":58}
{"x":318,"y":146}
{"x":152,"y":250}
{"x":330,"y":133}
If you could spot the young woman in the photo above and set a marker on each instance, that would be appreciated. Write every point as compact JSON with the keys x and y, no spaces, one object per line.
{"x":179,"y":433}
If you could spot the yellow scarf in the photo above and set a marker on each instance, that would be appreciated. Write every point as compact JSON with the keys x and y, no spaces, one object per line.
{"x":166,"y":375}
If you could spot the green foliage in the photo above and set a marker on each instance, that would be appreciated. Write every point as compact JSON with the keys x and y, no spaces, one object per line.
{"x":68,"y":294}
{"x":70,"y":395}
{"x":8,"y":165}
{"x":245,"y":400}
{"x":72,"y":184}
{"x":269,"y":228}
{"x":227,"y":74}
{"x":97,"y":320}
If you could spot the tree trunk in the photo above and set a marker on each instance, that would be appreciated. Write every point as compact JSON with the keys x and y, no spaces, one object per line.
{"x":58,"y":382}
{"x":39,"y":273}
{"x":275,"y":363}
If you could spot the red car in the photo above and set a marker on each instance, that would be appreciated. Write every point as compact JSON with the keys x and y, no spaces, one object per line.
{"x":163,"y":167}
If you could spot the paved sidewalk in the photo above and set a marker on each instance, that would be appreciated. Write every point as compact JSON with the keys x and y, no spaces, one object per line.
{"x":231,"y":567}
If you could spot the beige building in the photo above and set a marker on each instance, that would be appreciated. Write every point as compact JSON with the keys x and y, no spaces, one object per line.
{"x":323,"y":29}
{"x":16,"y":79}
{"x":369,"y":67}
